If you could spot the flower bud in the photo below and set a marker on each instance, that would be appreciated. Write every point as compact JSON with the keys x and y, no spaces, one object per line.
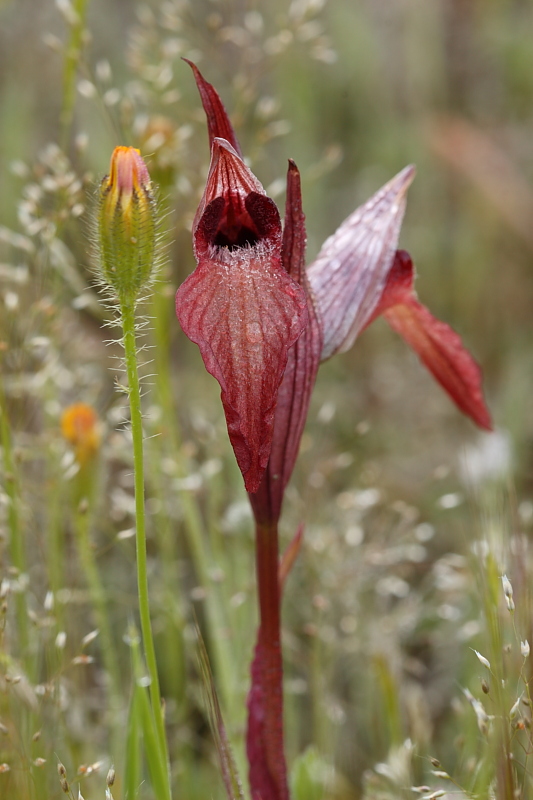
{"x":80,"y":426}
{"x":126,"y":224}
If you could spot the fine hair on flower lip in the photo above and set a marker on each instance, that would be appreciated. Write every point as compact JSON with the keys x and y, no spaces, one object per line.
{"x":262,"y":248}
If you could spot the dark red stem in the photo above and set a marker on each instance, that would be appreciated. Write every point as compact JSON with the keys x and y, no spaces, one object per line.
{"x":266,"y":707}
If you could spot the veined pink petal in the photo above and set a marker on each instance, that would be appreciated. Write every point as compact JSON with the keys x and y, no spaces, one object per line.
{"x":439,"y":347}
{"x":240,"y":306}
{"x":349,"y":274}
{"x":218,"y":123}
{"x":302,"y":366}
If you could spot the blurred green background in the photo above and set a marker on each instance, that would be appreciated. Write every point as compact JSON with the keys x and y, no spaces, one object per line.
{"x":446,"y":86}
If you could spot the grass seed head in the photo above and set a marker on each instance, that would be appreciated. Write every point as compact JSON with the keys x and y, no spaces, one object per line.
{"x":508,"y":592}
{"x":483,"y":660}
{"x":514,"y":710}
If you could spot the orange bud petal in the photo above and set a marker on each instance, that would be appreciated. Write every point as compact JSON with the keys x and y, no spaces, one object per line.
{"x":80,"y":427}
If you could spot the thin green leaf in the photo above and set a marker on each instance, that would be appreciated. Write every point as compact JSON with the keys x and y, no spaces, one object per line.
{"x":133,"y":769}
{"x":155,"y":757}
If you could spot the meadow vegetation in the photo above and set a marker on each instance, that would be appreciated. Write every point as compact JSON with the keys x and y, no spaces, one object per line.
{"x":408,"y":614}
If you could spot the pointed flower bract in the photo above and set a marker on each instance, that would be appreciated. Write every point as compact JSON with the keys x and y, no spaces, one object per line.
{"x":302,"y":366}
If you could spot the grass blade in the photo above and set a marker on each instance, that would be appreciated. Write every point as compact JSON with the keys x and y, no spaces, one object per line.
{"x":228,"y":767}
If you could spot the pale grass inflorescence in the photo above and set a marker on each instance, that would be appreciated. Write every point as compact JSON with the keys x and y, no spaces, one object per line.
{"x":408,"y":615}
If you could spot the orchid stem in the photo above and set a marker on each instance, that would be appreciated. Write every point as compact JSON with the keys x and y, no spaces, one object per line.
{"x":267,"y":566}
{"x":127,"y":307}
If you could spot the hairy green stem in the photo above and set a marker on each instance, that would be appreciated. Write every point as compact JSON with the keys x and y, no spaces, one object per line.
{"x":127,"y":307}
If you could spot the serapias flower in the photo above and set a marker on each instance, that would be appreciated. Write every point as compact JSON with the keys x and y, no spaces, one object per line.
{"x":264,"y":324}
{"x":244,"y":311}
{"x":126,"y":224}
{"x":240,"y":306}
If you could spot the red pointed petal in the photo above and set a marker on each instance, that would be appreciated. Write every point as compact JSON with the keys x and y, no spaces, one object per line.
{"x":218,"y":123}
{"x":443,"y":353}
{"x":349,"y":274}
{"x":294,"y":234}
{"x":244,"y":312}
{"x":300,"y":373}
{"x":438,"y":346}
{"x":304,"y":357}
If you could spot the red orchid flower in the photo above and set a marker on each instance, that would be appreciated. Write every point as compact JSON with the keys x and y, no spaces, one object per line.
{"x":240,"y":305}
{"x":263,"y":324}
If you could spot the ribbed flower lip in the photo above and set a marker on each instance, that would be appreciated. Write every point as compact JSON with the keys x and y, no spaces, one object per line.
{"x":240,"y":306}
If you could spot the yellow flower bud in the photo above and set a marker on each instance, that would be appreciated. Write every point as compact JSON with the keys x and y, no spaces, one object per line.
{"x":126,"y":224}
{"x":81,"y":428}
